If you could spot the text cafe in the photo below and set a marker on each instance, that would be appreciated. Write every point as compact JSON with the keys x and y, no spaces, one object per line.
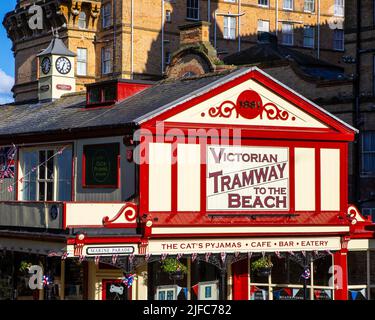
{"x":228,"y":186}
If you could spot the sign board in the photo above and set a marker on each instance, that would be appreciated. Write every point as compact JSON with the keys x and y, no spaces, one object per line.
{"x":200,"y":246}
{"x":101,"y":165}
{"x":109,"y":251}
{"x":242,"y":178}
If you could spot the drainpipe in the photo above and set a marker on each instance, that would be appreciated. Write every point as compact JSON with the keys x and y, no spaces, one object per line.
{"x":162,"y":36}
{"x":132,"y":41}
{"x":318,"y":47}
{"x":357,"y":111}
{"x":114,"y":36}
{"x":209,"y":10}
{"x":215,"y":15}
{"x":239,"y":26}
{"x":277,"y":16}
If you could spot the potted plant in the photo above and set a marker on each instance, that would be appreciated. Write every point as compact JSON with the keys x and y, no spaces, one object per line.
{"x":174,"y":267}
{"x":262,"y":266}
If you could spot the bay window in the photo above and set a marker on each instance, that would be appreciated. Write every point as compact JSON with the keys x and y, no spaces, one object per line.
{"x":45,"y":174}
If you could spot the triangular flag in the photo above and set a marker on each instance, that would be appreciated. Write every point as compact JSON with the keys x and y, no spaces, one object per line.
{"x":178,"y":291}
{"x":304,"y":253}
{"x":131,"y":258}
{"x":179,"y":256}
{"x":363,"y":292}
{"x":263,"y":253}
{"x":185,"y":292}
{"x":264,"y":294}
{"x":114,"y":258}
{"x":354,"y":294}
{"x":288,"y":291}
{"x":194,"y":256}
{"x":223,"y":256}
{"x":318,"y":293}
{"x":278,"y":254}
{"x":328,"y":293}
{"x":164,"y":256}
{"x":295,"y":291}
{"x":291,"y":253}
{"x":236,"y":254}
{"x":276,"y":294}
{"x":195,"y":289}
{"x":207,"y":257}
{"x":97,"y":258}
{"x":147,"y":256}
{"x":249,"y":254}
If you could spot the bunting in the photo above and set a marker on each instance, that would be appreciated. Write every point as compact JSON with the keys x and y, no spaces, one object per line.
{"x":147,"y":256}
{"x":97,"y":259}
{"x":223,"y":256}
{"x":179,"y":256}
{"x":195,"y":289}
{"x":194,"y":256}
{"x":114,"y":258}
{"x":249,"y":254}
{"x":164,"y":256}
{"x":207,"y":256}
{"x":131,"y":258}
{"x":236,"y":254}
{"x":278,"y":254}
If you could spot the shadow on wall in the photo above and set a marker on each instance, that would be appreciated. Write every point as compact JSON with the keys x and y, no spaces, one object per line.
{"x":177,"y":12}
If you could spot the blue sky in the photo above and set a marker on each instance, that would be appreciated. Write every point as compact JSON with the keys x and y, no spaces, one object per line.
{"x":6,"y":55}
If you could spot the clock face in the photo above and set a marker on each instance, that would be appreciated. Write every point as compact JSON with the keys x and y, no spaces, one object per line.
{"x":46,"y":65}
{"x":63,"y":65}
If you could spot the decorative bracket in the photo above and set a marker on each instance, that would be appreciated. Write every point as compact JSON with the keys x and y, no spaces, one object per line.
{"x":129,"y":212}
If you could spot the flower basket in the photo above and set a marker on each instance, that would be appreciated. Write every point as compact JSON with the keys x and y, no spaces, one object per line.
{"x":262,"y":267}
{"x":175,"y":268}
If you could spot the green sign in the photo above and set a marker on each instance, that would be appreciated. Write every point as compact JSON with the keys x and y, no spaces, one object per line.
{"x":101,"y":165}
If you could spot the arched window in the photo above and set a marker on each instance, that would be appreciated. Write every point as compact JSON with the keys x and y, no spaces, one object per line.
{"x":82,"y":24}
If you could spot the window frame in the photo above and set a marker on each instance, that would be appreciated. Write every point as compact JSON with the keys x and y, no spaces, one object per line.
{"x":288,"y":8}
{"x":339,"y":9}
{"x":80,"y":19}
{"x":291,"y":34}
{"x":56,"y":176}
{"x":259,"y":32}
{"x":367,"y":152}
{"x":190,"y":7}
{"x":309,"y":6}
{"x":313,"y":37}
{"x":229,"y":27}
{"x":104,"y":60}
{"x":107,"y":15}
{"x":335,"y":40}
{"x":267,"y":5}
{"x":81,"y":61}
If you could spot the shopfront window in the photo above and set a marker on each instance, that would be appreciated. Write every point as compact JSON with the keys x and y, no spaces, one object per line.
{"x":74,"y":277}
{"x":46,"y":174}
{"x":286,"y":281}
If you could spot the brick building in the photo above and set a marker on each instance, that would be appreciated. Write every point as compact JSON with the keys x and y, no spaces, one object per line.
{"x":146,"y":33}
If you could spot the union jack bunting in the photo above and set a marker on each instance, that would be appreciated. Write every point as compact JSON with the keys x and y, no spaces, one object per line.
{"x":7,"y":162}
{"x":81,"y":258}
{"x":147,"y":256}
{"x":64,"y":256}
{"x":278,"y":254}
{"x":249,"y":254}
{"x":179,"y":256}
{"x":97,"y":258}
{"x":207,"y":257}
{"x":114,"y":258}
{"x":223,"y":255}
{"x":131,"y":258}
{"x":194,"y":256}
{"x":163,"y":256}
{"x":236,"y":254}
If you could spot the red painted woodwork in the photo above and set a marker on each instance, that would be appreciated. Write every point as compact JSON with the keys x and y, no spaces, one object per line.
{"x":341,"y":275}
{"x":240,"y":273}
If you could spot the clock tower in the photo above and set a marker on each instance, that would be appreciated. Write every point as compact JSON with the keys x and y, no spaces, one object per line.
{"x":56,"y":71}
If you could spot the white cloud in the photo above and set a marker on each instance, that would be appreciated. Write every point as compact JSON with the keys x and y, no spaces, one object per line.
{"x":5,"y":99}
{"x":6,"y":83}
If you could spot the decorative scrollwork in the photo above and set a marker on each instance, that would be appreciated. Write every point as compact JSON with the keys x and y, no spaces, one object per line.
{"x":274,"y":113}
{"x":223,"y":111}
{"x":129,"y":210}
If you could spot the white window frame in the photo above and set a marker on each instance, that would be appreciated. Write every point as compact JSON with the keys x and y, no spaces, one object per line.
{"x":339,"y":8}
{"x":336,"y":40}
{"x":106,"y":60}
{"x":82,"y":61}
{"x":107,"y":15}
{"x":228,"y":33}
{"x":290,"y":8}
{"x":309,"y":6}
{"x":305,"y":44}
{"x":166,"y":289}
{"x":286,"y":35}
{"x":264,"y":3}
{"x":168,"y":16}
{"x":37,"y":169}
{"x":214,"y":285}
{"x":190,"y":5}
{"x":262,"y":29}
{"x":82,"y":18}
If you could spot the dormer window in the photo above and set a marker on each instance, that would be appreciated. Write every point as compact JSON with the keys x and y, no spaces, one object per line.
{"x":109,"y":92}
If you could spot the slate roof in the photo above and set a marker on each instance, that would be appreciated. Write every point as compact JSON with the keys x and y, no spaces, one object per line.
{"x":69,"y":113}
{"x":268,"y":51}
{"x":57,"y":47}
